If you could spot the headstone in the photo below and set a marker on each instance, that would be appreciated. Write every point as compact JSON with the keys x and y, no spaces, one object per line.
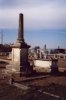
{"x":54,"y":67}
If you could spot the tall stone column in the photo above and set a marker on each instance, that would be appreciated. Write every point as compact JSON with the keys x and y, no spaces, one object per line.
{"x":20,"y":29}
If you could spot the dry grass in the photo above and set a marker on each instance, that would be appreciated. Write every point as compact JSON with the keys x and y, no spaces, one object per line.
{"x":50,"y":85}
{"x":62,"y":63}
{"x":53,"y":84}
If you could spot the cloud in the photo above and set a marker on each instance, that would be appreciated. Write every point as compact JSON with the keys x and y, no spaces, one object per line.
{"x":28,"y":3}
{"x":37,"y":14}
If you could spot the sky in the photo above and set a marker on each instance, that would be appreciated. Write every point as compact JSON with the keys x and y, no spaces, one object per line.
{"x":44,"y":21}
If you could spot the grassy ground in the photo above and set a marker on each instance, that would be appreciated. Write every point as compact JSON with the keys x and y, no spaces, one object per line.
{"x":50,"y":88}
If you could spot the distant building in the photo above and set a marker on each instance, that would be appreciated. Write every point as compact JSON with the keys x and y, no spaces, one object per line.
{"x":45,"y":48}
{"x":57,"y":53}
{"x":59,"y":50}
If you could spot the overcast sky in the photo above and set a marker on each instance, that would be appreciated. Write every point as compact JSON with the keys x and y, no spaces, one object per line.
{"x":37,"y":13}
{"x":44,"y":21}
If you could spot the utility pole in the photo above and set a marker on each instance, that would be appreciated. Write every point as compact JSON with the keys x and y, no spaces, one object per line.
{"x":1,"y":36}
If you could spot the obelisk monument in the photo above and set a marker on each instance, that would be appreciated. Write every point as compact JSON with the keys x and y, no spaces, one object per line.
{"x":21,"y":29}
{"x":19,"y":63}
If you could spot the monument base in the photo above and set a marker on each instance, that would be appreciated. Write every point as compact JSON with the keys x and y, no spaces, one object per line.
{"x":18,"y":70}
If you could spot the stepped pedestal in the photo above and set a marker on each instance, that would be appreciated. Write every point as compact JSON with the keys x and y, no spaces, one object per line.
{"x":19,"y":64}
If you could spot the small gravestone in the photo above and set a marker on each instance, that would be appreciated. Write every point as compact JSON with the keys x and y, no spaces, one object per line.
{"x":54,"y":67}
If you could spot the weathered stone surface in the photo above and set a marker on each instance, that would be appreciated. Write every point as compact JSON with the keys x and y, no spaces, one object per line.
{"x":20,"y":29}
{"x":19,"y":63}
